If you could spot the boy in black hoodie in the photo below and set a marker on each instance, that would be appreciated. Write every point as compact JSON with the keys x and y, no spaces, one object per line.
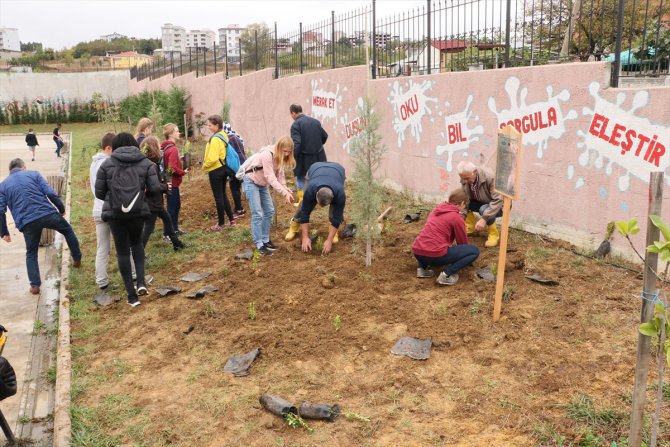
{"x":31,"y":141}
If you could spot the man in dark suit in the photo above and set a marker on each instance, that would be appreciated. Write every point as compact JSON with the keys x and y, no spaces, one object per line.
{"x":308,"y":140}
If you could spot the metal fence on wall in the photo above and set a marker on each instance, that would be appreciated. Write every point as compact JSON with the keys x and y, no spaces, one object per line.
{"x":449,"y":35}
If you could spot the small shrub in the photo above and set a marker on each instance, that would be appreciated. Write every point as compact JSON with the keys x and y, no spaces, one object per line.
{"x":251,"y":310}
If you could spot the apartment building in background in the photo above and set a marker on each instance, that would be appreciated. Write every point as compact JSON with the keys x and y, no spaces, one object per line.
{"x":9,"y":39}
{"x":173,"y":38}
{"x":229,"y":38}
{"x":110,"y":37}
{"x":200,"y":38}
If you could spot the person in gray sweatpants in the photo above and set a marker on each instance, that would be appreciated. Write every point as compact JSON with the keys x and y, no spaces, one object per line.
{"x":102,"y":232}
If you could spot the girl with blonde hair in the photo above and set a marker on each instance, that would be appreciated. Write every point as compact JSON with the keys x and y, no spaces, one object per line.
{"x":145,"y":128}
{"x":267,"y":169}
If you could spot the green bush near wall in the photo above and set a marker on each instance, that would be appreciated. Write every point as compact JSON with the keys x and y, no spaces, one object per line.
{"x":171,"y":103}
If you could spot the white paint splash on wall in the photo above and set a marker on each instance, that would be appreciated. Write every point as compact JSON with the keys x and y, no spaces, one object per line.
{"x":538,"y":122}
{"x":621,"y":137}
{"x":325,"y":103}
{"x":409,"y":108}
{"x":457,"y":134}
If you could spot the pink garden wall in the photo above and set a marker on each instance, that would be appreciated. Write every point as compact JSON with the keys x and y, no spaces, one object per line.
{"x":587,"y":149}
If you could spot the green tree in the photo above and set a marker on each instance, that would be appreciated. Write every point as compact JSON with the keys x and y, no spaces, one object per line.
{"x":257,"y":42}
{"x":31,"y":46}
{"x":367,"y":151}
{"x":68,"y":58}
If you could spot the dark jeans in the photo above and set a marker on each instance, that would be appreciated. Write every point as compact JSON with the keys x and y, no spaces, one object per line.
{"x":235,"y":186}
{"x":480,"y":208}
{"x":173,"y":207}
{"x":32,"y":233}
{"x":59,"y":146}
{"x":150,"y":224}
{"x":217,"y":180}
{"x":127,"y":236}
{"x":458,"y":257}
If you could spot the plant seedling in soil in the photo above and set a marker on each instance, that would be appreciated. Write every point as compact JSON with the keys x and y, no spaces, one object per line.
{"x":319,"y":244}
{"x":251,"y":310}
{"x":337,"y":321}
{"x":353,"y":416}
{"x":255,"y":259}
{"x":494,"y":269}
{"x":295,"y":421}
{"x":508,"y":293}
{"x":38,"y":326}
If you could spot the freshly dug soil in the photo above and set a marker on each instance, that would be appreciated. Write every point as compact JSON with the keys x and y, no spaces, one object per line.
{"x":509,"y":383}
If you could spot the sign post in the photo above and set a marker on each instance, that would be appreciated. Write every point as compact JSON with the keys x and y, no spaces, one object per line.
{"x":508,"y":161}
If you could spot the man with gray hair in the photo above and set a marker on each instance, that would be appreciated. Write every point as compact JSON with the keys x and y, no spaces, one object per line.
{"x":34,"y":206}
{"x":478,"y":184}
{"x":325,"y":187}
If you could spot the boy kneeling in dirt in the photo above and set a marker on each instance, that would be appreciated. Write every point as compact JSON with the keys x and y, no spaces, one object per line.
{"x":325,"y":186}
{"x":435,"y":244}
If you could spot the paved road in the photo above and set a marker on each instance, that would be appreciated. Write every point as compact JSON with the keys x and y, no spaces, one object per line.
{"x":28,"y":354}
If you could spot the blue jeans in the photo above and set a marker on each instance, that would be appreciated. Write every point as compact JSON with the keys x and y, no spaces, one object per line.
{"x":480,"y":208}
{"x":457,"y":257}
{"x":262,"y":210}
{"x":173,"y":207}
{"x":300,"y":183}
{"x":59,"y":146}
{"x":32,"y":233}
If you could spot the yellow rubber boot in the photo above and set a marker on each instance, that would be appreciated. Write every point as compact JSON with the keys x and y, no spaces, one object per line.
{"x":470,"y":223}
{"x":293,"y":231}
{"x":494,"y":237}
{"x":301,"y":193}
{"x":336,"y":239}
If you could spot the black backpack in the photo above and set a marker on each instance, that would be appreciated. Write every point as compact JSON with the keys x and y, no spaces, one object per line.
{"x":126,"y":191}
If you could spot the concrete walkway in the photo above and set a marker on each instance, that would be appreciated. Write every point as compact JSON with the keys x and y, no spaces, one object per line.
{"x":30,"y":343}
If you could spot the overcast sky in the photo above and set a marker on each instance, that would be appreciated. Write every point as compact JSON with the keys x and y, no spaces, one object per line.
{"x":63,"y":23}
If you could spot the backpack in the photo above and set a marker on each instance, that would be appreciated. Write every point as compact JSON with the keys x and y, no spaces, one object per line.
{"x":126,"y":191}
{"x":232,"y":159}
{"x":243,"y":168}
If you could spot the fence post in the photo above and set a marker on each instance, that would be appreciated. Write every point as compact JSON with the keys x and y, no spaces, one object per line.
{"x":508,"y":24}
{"x":429,"y":39}
{"x":616,"y":66}
{"x":276,"y":54}
{"x":204,"y":61}
{"x":225,"y":53}
{"x":172,"y":62}
{"x":214,"y":57}
{"x":181,"y":65}
{"x":239,"y":40}
{"x":374,"y":39}
{"x":332,"y":36}
{"x":197,"y":61}
{"x":190,"y":69}
{"x":644,"y":342}
{"x":256,"y":49}
{"x":300,"y":47}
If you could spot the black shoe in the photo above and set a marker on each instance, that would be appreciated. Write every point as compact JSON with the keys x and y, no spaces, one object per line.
{"x":179,"y":232}
{"x":133,"y":301}
{"x":181,"y":246}
{"x":265,"y":251}
{"x":142,"y":291}
{"x":270,"y":246}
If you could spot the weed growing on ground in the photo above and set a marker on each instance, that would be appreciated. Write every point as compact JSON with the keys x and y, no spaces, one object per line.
{"x":337,"y":322}
{"x":494,"y":269}
{"x":442,"y":309}
{"x":605,"y":421}
{"x":508,"y":293}
{"x":353,"y":416}
{"x":476,"y":306}
{"x":255,"y":259}
{"x":38,"y":326}
{"x":295,"y":421}
{"x":51,"y":375}
{"x":210,"y":310}
{"x":24,"y":419}
{"x":251,"y":310}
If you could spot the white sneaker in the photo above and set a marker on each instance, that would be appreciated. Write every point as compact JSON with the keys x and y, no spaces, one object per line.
{"x":133,"y":302}
{"x":142,"y":291}
{"x":447,"y":280}
{"x":424,"y":273}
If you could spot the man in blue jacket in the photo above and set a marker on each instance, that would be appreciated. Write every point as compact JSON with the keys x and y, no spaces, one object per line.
{"x":325,"y":187}
{"x":308,"y":139}
{"x":35,"y":206}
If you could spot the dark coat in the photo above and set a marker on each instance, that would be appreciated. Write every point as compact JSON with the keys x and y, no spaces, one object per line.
{"x":128,"y":157}
{"x":155,"y":200}
{"x":31,"y":139}
{"x":308,"y":140}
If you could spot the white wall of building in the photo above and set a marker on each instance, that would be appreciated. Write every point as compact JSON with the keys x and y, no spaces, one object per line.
{"x":173,"y":37}
{"x":9,"y":39}
{"x":229,"y":37}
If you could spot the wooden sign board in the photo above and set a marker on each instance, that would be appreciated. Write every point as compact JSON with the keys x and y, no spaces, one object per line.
{"x":507,"y":185}
{"x":508,"y":161}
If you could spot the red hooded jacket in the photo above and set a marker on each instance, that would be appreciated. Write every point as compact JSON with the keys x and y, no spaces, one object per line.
{"x":444,"y":226}
{"x":172,"y":161}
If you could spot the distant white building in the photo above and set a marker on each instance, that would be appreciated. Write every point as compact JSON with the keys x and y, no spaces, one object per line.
{"x":9,"y":39}
{"x":229,"y":37}
{"x":173,"y":38}
{"x":110,"y":37}
{"x":200,"y":38}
